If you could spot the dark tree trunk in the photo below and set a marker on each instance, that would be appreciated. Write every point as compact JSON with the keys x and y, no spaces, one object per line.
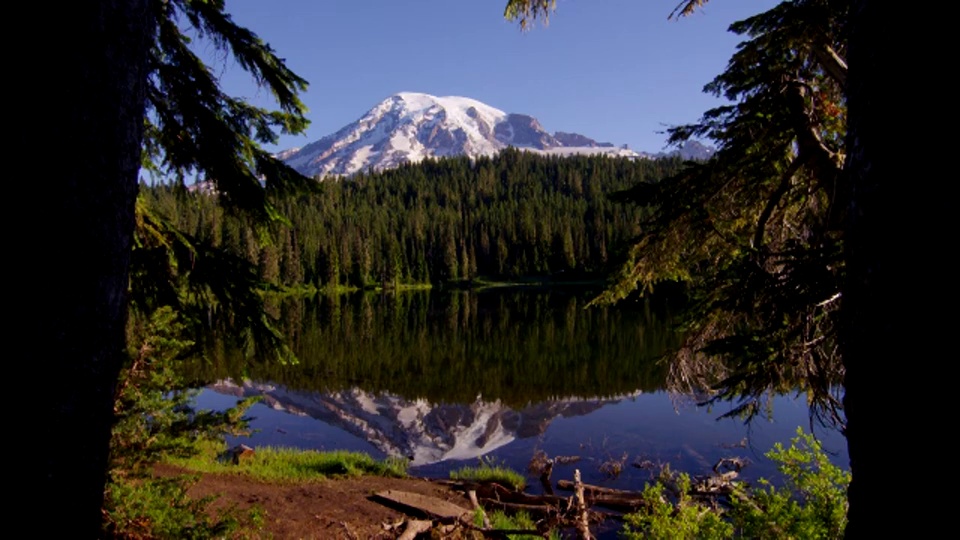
{"x":86,"y":97}
{"x":891,"y":331}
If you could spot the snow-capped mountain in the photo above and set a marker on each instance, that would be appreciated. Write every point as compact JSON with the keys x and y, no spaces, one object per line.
{"x":692,"y":150}
{"x":423,"y":432}
{"x":408,"y":127}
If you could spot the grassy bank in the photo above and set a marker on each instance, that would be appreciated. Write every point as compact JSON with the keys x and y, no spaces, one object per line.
{"x":291,"y":465}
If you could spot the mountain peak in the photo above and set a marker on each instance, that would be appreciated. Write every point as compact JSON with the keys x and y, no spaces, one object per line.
{"x":410,"y":126}
{"x":421,"y":101}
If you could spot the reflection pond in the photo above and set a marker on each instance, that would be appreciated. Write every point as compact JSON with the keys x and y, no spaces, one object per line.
{"x":445,"y":378}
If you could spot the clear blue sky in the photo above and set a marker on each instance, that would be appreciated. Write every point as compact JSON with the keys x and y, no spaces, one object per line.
{"x":614,"y":70}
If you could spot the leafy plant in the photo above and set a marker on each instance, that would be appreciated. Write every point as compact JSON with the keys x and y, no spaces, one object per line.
{"x":155,"y":416}
{"x":155,"y":421}
{"x":811,"y":504}
{"x":686,"y":518}
{"x":160,"y":508}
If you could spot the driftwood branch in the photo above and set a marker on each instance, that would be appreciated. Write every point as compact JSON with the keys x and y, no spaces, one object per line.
{"x":583,"y":521}
{"x":497,"y":493}
{"x":614,"y":499}
{"x":593,"y":490}
{"x":472,"y":495}
{"x":773,"y":201}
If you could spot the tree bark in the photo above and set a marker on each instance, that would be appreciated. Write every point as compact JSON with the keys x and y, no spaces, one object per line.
{"x":87,"y":111}
{"x":891,"y":238}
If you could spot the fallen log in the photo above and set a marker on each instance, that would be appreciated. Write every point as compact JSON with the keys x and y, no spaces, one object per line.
{"x":614,"y":499}
{"x":535,"y":510}
{"x":496,"y":492}
{"x":567,"y":485}
{"x":425,"y":505}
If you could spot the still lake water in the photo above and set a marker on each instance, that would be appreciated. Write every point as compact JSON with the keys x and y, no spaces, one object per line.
{"x":448,"y":378}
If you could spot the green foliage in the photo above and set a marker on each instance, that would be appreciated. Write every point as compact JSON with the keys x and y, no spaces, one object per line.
{"x":755,"y":233}
{"x":478,"y":515}
{"x":154,"y":414}
{"x":449,"y":220}
{"x":490,"y":472}
{"x":683,"y":519}
{"x":208,"y":286}
{"x":500,"y":520}
{"x":194,"y":129}
{"x":160,"y":508}
{"x":192,"y":126}
{"x":527,"y":11}
{"x":518,"y":521}
{"x":181,"y":282}
{"x":155,"y":421}
{"x":811,"y":504}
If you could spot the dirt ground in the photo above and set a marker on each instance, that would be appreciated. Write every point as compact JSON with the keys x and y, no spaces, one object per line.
{"x":331,"y":509}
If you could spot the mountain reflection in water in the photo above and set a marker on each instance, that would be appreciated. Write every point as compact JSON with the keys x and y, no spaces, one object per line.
{"x":446,"y":378}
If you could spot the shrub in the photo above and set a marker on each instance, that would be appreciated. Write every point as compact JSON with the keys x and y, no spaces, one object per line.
{"x":811,"y":504}
{"x":685,"y":519}
{"x":155,"y":421}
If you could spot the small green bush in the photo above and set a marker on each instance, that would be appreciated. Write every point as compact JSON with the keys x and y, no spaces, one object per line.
{"x":160,"y":508}
{"x":811,"y":504}
{"x":155,"y":422}
{"x":687,"y":519}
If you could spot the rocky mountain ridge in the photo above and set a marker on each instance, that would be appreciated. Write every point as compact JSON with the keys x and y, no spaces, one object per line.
{"x":409,"y":127}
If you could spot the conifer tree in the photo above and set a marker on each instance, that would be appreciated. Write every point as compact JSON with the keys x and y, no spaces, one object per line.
{"x":850,"y":167}
{"x":128,"y":91}
{"x":756,"y":233}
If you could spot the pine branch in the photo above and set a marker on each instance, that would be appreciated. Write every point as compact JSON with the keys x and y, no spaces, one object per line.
{"x":773,"y":201}
{"x":832,"y":63}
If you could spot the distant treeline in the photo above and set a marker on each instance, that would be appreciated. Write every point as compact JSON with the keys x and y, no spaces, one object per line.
{"x":514,"y":215}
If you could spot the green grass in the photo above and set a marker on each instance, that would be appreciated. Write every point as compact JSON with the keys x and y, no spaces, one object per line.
{"x":491,"y":473}
{"x":295,"y":465}
{"x":519,"y":521}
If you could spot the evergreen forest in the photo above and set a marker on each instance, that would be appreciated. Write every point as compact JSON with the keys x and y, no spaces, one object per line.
{"x":517,"y":215}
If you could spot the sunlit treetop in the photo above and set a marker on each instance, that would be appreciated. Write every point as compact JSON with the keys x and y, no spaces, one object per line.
{"x":526,"y":12}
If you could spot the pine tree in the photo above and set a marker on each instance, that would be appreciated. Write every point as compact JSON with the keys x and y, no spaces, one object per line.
{"x":756,"y":233}
{"x":126,"y":87}
{"x":842,"y":253}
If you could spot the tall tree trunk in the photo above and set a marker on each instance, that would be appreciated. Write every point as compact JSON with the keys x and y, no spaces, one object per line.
{"x":890,"y":242}
{"x":87,"y":110}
